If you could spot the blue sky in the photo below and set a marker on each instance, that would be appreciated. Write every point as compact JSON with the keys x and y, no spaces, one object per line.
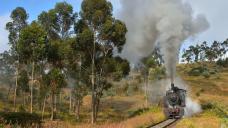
{"x":215,"y":12}
{"x":33,"y":7}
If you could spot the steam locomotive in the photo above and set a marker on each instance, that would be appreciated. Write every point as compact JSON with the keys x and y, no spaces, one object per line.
{"x":174,"y":102}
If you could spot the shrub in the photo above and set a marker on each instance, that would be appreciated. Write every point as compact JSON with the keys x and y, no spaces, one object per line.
{"x":207,"y":106}
{"x":194,"y":72}
{"x":137,"y":112}
{"x":206,"y":74}
{"x":212,"y":72}
{"x":198,"y":94}
{"x":222,"y":62}
{"x":198,"y":71}
{"x":22,"y":119}
{"x":201,"y":90}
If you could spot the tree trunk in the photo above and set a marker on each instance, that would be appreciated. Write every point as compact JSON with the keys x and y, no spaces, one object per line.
{"x":52,"y":106}
{"x":70,"y":105}
{"x":97,"y":106}
{"x":24,"y":99}
{"x":44,"y":104}
{"x":93,"y":82}
{"x":58,"y":101}
{"x":78,"y":110}
{"x":55,"y":106}
{"x":9,"y":90}
{"x":73,"y":106}
{"x":146,"y":88}
{"x":15,"y":91}
{"x":31,"y":104}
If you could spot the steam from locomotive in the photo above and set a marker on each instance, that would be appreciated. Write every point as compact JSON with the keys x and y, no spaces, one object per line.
{"x":165,"y":24}
{"x":159,"y":23}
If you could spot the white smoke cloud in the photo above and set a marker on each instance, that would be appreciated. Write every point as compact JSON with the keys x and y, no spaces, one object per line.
{"x":163,"y":23}
{"x":191,"y":107}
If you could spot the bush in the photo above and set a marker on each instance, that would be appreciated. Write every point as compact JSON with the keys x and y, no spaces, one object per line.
{"x":207,"y":106}
{"x":216,"y":108}
{"x":202,"y":71}
{"x":222,"y":62}
{"x":197,"y":71}
{"x":194,"y":72}
{"x":198,"y":94}
{"x":137,"y":112}
{"x":25,"y":120}
{"x":212,"y":72}
{"x":201,"y":90}
{"x":206,"y":74}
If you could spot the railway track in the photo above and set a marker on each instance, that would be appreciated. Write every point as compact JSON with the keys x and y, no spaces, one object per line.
{"x":164,"y":124}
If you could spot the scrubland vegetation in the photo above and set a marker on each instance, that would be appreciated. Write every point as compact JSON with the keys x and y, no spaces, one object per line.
{"x":61,"y":71}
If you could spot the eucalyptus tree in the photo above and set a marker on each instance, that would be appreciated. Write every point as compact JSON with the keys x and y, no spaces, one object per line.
{"x":18,"y":21}
{"x":187,"y":55}
{"x":58,"y":21}
{"x":204,"y":48}
{"x":152,"y":61}
{"x":212,"y":52}
{"x":196,"y":50}
{"x":99,"y":34}
{"x":31,"y":49}
{"x":56,"y":80}
{"x":74,"y":58}
{"x":224,"y":48}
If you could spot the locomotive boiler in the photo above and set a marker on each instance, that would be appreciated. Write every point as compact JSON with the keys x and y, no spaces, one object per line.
{"x":174,"y":102}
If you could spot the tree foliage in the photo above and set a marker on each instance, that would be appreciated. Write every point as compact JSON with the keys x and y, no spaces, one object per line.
{"x":61,"y":46}
{"x":204,"y":52}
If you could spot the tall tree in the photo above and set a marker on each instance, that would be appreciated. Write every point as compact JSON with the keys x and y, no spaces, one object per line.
{"x":212,"y":52}
{"x":31,"y":49}
{"x":73,"y":63}
{"x":19,"y":18}
{"x":58,"y":23}
{"x":195,"y":51}
{"x":224,"y":47}
{"x":153,"y":61}
{"x":187,"y":55}
{"x":99,"y":34}
{"x":56,"y":80}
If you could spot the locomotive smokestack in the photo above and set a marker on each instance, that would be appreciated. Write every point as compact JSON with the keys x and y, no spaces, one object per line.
{"x":172,"y":85}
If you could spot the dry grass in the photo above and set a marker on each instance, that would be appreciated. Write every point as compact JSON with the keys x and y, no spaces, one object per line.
{"x":115,"y":109}
{"x":114,"y":114}
{"x":135,"y":122}
{"x":207,"y":90}
{"x":199,"y":122}
{"x":215,"y":88}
